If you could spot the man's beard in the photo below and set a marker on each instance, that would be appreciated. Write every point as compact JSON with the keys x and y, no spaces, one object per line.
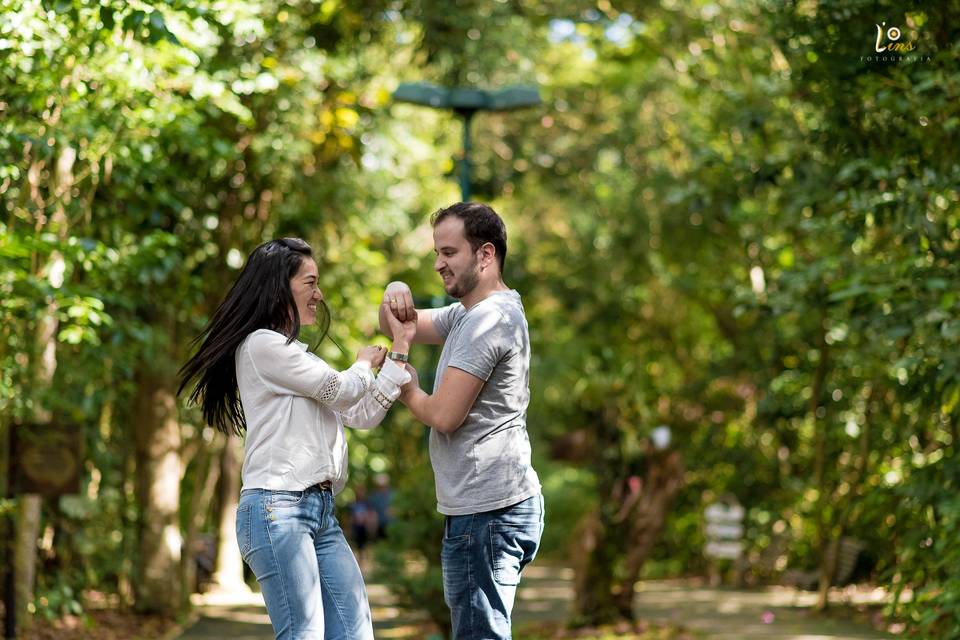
{"x":466,"y":282}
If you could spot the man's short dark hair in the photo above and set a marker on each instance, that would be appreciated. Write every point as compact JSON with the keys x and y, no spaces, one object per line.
{"x":481,"y":225}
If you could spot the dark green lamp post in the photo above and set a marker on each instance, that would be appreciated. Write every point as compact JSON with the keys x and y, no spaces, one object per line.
{"x":465,"y":102}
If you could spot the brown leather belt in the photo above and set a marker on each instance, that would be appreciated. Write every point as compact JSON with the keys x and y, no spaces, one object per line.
{"x":326,"y":485}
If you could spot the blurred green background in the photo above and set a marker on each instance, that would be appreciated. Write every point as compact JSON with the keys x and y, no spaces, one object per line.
{"x":733,"y":218}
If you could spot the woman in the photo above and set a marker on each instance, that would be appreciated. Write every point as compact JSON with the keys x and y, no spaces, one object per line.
{"x":253,"y":375}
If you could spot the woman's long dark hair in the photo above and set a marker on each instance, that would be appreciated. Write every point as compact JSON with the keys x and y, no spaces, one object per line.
{"x":261,"y":298}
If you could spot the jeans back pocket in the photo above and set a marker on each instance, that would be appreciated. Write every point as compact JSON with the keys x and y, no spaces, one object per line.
{"x":243,"y":529}
{"x":512,"y":547}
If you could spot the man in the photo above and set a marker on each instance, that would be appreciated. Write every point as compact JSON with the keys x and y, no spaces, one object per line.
{"x":477,"y":412}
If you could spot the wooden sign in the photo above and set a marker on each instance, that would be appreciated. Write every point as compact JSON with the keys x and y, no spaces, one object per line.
{"x":45,"y":459}
{"x":724,"y":530}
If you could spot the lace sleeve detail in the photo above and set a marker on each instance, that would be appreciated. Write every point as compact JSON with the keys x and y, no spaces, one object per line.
{"x":343,"y":389}
{"x":382,"y":399}
{"x":329,"y":391}
{"x":379,"y":395}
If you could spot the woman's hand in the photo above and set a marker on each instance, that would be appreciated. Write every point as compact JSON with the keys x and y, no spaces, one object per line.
{"x":403,"y":331}
{"x":372,"y":355}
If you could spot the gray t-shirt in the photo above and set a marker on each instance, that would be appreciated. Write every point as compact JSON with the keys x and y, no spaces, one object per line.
{"x":485,"y":464}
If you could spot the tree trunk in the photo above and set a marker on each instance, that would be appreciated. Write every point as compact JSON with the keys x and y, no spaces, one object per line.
{"x":594,"y":562}
{"x":617,"y":539}
{"x":25,"y":554}
{"x":843,"y":507}
{"x":7,"y":524}
{"x":157,"y":435}
{"x":824,"y":515}
{"x":828,"y":569}
{"x":600,"y":540}
{"x":129,"y":516}
{"x":29,"y":508}
{"x":203,"y":490}
{"x":229,"y":572}
{"x":644,"y":521}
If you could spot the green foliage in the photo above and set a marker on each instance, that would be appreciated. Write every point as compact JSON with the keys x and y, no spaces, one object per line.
{"x":928,"y":522}
{"x":569,"y":494}
{"x":58,"y":601}
{"x":145,"y":150}
{"x":722,"y":219}
{"x":747,"y":242}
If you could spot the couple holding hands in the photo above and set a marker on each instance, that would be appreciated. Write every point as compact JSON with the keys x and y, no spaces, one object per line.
{"x":251,"y":375}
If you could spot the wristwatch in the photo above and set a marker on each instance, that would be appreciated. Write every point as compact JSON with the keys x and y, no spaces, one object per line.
{"x":398,"y":357}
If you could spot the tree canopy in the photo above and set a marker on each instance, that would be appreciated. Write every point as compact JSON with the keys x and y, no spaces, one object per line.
{"x":736,"y":219}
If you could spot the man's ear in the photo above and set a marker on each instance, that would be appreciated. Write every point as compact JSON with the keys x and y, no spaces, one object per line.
{"x":488,"y":254}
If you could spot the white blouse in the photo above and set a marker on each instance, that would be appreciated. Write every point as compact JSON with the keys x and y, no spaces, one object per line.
{"x":295,"y":406}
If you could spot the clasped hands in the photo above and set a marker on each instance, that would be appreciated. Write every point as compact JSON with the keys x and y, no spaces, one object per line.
{"x":402,"y":319}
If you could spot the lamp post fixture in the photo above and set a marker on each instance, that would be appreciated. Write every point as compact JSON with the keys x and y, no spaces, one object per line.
{"x":465,"y":102}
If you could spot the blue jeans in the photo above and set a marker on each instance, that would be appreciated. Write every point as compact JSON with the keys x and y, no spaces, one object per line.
{"x":482,"y":557}
{"x":309,"y":577}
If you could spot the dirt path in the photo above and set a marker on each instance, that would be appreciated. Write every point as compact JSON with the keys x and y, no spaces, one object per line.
{"x":732,"y":614}
{"x":545,"y":596}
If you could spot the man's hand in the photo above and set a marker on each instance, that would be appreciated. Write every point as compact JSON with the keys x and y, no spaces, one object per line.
{"x":400,"y":301}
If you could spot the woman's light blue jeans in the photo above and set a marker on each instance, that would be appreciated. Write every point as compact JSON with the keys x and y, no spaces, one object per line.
{"x":309,"y":577}
{"x":483,"y":555}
